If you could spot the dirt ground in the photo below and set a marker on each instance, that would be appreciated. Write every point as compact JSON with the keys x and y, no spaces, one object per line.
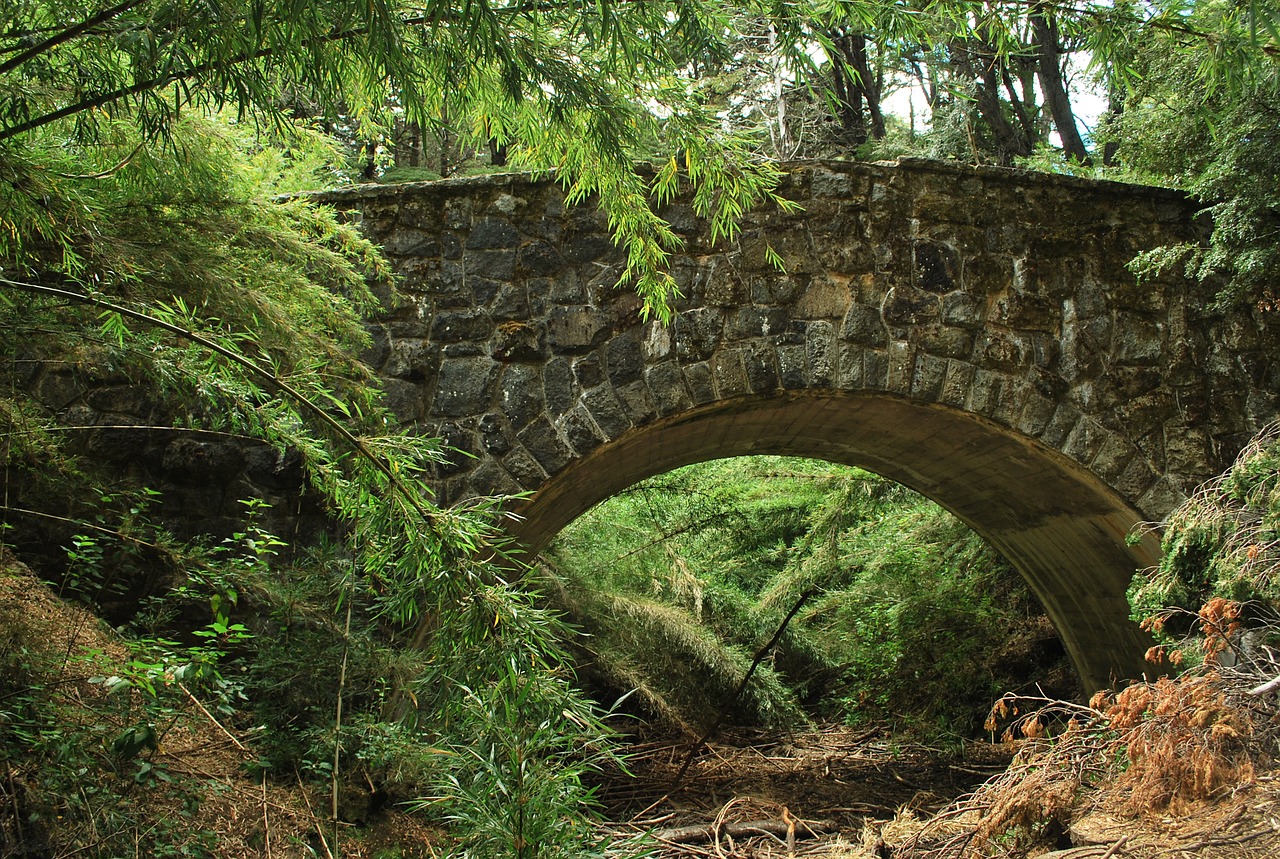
{"x":848,"y":794}
{"x":838,"y":792}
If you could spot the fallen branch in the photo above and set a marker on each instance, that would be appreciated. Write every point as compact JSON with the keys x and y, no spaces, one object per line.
{"x":1270,"y":686}
{"x":755,"y":663}
{"x":709,"y":832}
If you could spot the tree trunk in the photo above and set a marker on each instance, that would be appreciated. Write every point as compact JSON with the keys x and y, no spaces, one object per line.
{"x":1115,"y":107}
{"x":848,"y":96}
{"x":1049,"y":49}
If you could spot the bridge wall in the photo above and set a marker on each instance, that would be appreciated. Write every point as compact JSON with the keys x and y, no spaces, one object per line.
{"x":974,"y":334}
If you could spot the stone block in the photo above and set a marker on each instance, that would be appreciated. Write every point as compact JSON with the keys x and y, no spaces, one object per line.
{"x":490,"y":479}
{"x":624,"y":358}
{"x":863,"y":325}
{"x":825,"y":183}
{"x":588,"y":372}
{"x":495,"y":436}
{"x":524,"y":469}
{"x":729,"y":373}
{"x":926,"y":381}
{"x":945,"y":341}
{"x":698,"y":333}
{"x":751,"y":321}
{"x":606,"y":411}
{"x":1028,"y":311}
{"x":849,"y":372}
{"x":964,"y":310}
{"x":823,"y":299}
{"x":819,"y":345}
{"x":580,"y":248}
{"x":1138,"y":340}
{"x":1037,"y":412}
{"x":1061,"y":425}
{"x":558,"y":386}
{"x":907,"y":305}
{"x":203,"y":460}
{"x":1085,"y":440}
{"x":520,"y":395}
{"x":575,"y":329}
{"x":491,"y":264}
{"x":1112,"y":457}
{"x":901,"y":366}
{"x":986,"y":274}
{"x":875,"y":369}
{"x":581,"y":431}
{"x":405,"y":400}
{"x":490,"y":232}
{"x":545,"y":445}
{"x":937,"y":267}
{"x":1005,"y":351}
{"x":410,"y":242}
{"x":638,"y":402}
{"x":985,"y":392}
{"x":464,"y":386}
{"x":760,"y":364}
{"x":792,"y":367}
{"x":538,"y":259}
{"x":666,"y":388}
{"x":517,"y":342}
{"x":698,"y":378}
{"x":1162,"y":498}
{"x":773,"y":288}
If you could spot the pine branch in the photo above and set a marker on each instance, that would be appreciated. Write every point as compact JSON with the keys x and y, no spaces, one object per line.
{"x":746,"y":678}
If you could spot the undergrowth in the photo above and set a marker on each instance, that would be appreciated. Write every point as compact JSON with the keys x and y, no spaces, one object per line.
{"x":1171,"y":744}
{"x":907,"y":617}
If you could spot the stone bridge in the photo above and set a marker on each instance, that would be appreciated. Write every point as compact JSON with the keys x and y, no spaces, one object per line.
{"x":971,"y":333}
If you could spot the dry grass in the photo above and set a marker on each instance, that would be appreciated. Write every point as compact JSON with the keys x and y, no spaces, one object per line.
{"x":245,"y":815}
{"x":1155,"y":754}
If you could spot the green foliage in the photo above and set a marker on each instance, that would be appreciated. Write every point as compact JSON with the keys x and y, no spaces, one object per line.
{"x":680,"y":579}
{"x":176,"y":269}
{"x":1222,"y":543}
{"x":1202,"y":115}
{"x":580,"y":88}
{"x":81,"y":747}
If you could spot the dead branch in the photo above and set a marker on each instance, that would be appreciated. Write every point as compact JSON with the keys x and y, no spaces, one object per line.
{"x":709,"y":832}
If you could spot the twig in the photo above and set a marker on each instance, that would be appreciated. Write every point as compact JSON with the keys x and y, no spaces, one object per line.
{"x":324,"y":842}
{"x":1270,"y":686}
{"x":216,"y":723}
{"x":650,"y":807}
{"x":755,"y":663}
{"x":266,"y":820}
{"x":1221,"y":842}
{"x":1111,"y":851}
{"x":337,"y":718}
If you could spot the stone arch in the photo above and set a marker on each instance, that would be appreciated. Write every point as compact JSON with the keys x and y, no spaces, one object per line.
{"x":929,"y":314}
{"x":1060,"y":526}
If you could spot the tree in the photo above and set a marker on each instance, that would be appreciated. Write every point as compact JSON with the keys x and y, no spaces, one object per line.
{"x":1199,"y":112}
{"x":577,"y":87}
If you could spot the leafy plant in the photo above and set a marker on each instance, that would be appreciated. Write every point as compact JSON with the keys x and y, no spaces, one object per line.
{"x":680,"y":579}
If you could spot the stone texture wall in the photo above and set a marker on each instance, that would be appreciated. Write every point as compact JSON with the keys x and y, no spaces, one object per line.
{"x":1000,"y":293}
{"x":974,"y":334}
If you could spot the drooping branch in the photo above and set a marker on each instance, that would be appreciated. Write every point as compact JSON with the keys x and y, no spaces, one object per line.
{"x":271,"y":379}
{"x":68,"y":34}
{"x":746,"y":678}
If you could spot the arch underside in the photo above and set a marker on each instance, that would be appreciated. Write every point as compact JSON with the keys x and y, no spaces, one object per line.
{"x":1061,"y":527}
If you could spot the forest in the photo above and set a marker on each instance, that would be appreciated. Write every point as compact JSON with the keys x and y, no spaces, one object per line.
{"x":398,"y":683}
